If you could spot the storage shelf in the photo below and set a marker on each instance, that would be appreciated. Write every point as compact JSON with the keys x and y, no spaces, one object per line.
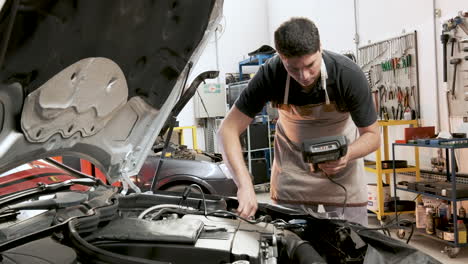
{"x":253,"y":159}
{"x":422,"y":232}
{"x":380,"y":155}
{"x":397,"y":122}
{"x":255,"y":60}
{"x":373,"y":169}
{"x":453,"y":146}
{"x":253,"y":150}
{"x":451,"y":165}
{"x":433,"y":195}
{"x":391,"y":212}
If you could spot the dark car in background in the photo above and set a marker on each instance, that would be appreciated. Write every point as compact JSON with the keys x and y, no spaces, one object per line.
{"x":177,"y":174}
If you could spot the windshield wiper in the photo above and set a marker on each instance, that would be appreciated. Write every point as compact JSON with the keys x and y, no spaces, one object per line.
{"x":60,"y":200}
{"x":47,"y":188}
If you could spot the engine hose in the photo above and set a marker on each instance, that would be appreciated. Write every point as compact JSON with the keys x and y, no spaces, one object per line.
{"x":300,"y":251}
{"x":97,"y":255}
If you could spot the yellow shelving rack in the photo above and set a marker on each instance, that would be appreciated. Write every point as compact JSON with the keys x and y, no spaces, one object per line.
{"x":194,"y":135}
{"x":378,"y":170}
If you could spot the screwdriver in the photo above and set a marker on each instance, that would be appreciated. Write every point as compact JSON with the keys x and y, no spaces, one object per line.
{"x":444,"y":39}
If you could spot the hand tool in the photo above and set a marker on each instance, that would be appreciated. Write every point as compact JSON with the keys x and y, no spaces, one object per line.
{"x":385,"y":112}
{"x":452,"y":40}
{"x":413,"y":96}
{"x":399,"y":112}
{"x":406,"y":97}
{"x":454,"y":62}
{"x":376,"y":98}
{"x":444,"y":39}
{"x":399,"y":95}
{"x":381,"y":90}
{"x":391,"y":95}
{"x":320,"y":150}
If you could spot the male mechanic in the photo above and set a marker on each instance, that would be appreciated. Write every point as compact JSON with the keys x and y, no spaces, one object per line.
{"x":317,"y":93}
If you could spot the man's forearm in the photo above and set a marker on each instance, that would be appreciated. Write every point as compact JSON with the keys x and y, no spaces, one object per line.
{"x":364,"y":145}
{"x":232,"y":126}
{"x":232,"y":156}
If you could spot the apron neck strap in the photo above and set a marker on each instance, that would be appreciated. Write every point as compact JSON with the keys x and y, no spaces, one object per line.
{"x":324,"y":77}
{"x":286,"y":90}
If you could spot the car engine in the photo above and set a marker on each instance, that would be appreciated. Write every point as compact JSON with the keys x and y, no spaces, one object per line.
{"x":179,"y":228}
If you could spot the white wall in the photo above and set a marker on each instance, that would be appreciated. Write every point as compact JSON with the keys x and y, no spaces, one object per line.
{"x":334,"y":19}
{"x":249,"y":24}
{"x":243,"y":30}
{"x":376,"y":20}
{"x":450,"y":9}
{"x":399,"y":16}
{"x":379,"y":20}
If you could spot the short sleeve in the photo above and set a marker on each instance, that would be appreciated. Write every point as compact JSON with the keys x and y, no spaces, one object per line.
{"x":358,"y":97}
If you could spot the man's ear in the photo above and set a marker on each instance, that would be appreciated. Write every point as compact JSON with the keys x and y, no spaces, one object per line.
{"x":282,"y":57}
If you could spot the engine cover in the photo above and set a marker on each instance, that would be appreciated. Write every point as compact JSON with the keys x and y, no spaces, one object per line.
{"x":220,"y":240}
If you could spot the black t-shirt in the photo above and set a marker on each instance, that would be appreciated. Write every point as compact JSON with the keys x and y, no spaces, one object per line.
{"x":346,"y":86}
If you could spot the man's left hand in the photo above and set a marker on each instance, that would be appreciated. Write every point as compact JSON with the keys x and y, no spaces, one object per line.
{"x":333,"y":167}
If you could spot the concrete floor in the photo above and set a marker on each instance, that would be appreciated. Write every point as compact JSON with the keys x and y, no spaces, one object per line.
{"x":427,"y":245}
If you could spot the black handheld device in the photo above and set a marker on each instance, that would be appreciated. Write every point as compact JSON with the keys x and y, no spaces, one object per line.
{"x":323,"y":149}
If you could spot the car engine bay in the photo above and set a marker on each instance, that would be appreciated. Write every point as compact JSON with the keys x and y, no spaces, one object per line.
{"x":169,"y":227}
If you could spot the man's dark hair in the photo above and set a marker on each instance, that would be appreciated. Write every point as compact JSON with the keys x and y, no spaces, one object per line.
{"x":297,"y":37}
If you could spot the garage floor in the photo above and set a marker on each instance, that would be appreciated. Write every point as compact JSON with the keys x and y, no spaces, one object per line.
{"x":429,"y":246}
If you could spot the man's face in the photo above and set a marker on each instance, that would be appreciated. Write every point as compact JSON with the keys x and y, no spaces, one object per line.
{"x":304,"y":69}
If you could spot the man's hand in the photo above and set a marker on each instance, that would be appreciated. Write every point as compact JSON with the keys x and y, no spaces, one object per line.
{"x":247,"y":202}
{"x":335,"y":166}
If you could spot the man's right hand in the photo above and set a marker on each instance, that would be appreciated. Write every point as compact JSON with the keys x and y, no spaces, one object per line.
{"x":247,"y":202}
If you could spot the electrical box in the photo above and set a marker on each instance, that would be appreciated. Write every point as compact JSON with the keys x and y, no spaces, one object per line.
{"x":210,"y":101}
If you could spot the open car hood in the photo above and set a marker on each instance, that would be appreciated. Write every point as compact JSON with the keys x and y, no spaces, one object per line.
{"x":94,"y":79}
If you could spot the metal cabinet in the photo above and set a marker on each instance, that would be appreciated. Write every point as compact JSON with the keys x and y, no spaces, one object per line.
{"x":258,"y":149}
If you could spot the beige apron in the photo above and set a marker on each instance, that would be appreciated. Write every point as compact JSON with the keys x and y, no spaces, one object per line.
{"x":292,"y":182}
